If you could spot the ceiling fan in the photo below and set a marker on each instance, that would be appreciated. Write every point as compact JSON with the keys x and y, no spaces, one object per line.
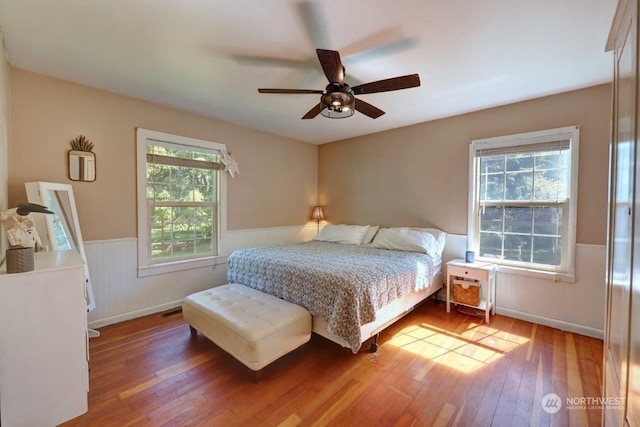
{"x":338,"y":99}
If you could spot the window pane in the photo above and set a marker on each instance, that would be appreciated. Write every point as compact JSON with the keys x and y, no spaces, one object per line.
{"x":160,"y":250}
{"x":518,"y":220}
{"x":160,"y":216}
{"x":547,"y":160}
{"x":519,"y":162}
{"x":492,"y":187}
{"x":517,"y":248}
{"x":547,"y":250}
{"x":519,"y":186}
{"x":204,"y":194}
{"x":492,"y":164}
{"x":159,"y":192}
{"x":204,"y":245}
{"x":549,"y":186}
{"x":158,"y":174}
{"x":547,"y":220}
{"x":203,"y":217}
{"x":491,"y":219}
{"x":490,"y":245}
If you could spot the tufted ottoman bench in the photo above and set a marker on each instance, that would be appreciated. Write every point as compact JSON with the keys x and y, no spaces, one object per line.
{"x":254,"y":327}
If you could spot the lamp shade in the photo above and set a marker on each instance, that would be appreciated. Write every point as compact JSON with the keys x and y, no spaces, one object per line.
{"x":317,"y":215}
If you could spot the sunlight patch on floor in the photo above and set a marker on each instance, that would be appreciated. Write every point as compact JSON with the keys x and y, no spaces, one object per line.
{"x":466,"y":351}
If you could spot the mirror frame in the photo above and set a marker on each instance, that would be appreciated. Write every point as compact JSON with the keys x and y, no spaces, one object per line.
{"x":46,"y":229}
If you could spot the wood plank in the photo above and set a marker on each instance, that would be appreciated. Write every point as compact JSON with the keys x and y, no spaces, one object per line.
{"x":432,"y":368}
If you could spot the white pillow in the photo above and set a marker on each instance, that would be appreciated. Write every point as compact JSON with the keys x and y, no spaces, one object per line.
{"x":371,"y":233}
{"x":406,"y":239}
{"x":441,"y":237}
{"x":345,"y":234}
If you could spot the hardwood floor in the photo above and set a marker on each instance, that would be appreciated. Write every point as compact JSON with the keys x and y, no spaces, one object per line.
{"x":432,"y":369}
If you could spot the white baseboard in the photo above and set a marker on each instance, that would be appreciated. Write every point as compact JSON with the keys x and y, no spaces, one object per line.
{"x":553,"y":323}
{"x":133,"y":314}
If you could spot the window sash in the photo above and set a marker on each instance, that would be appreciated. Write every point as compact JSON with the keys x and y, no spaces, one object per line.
{"x":173,"y":228}
{"x":530,"y":236}
{"x":535,"y":174}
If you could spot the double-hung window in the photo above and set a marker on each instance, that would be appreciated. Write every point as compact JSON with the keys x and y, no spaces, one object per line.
{"x":523,"y":200}
{"x":180,"y":197}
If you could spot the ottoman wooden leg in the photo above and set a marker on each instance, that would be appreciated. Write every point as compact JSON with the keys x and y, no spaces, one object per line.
{"x":193,"y":330}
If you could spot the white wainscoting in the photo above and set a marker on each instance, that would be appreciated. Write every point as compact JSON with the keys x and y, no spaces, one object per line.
{"x":121,"y":295}
{"x":576,"y":307}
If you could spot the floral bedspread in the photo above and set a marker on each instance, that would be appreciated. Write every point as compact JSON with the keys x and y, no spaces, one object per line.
{"x":343,"y":284}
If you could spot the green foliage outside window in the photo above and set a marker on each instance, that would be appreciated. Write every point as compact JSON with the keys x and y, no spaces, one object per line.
{"x":182,"y":203}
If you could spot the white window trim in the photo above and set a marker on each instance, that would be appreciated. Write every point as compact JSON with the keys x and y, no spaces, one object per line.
{"x":145,"y":266}
{"x":569,"y":132}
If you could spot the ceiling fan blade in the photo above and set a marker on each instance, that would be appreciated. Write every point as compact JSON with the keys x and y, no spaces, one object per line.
{"x":315,"y":22}
{"x":368,"y":109}
{"x":386,"y":85}
{"x":382,"y":43}
{"x":319,"y":92}
{"x":313,"y":112}
{"x":331,"y":65}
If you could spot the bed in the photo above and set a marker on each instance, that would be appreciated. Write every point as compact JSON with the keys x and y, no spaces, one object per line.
{"x":352,"y":290}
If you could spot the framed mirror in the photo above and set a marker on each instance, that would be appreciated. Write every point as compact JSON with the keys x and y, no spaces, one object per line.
{"x":82,"y":166}
{"x":60,"y":231}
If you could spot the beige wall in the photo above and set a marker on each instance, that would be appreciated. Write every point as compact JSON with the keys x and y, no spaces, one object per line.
{"x":418,"y":175}
{"x":277,"y":184}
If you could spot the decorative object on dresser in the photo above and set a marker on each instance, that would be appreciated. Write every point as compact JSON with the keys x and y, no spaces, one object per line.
{"x":22,"y":235}
{"x":473,"y":285}
{"x":82,"y":160}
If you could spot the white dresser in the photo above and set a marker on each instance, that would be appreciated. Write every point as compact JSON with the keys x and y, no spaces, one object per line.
{"x":44,"y":377}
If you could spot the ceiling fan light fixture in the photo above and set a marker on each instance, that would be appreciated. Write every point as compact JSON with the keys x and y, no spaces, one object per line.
{"x":338,"y":100}
{"x":338,"y":104}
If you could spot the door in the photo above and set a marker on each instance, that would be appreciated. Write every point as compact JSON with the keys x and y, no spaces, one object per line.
{"x":621,"y":254}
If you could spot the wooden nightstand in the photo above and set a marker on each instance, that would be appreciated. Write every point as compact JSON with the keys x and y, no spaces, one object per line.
{"x":483,"y":272}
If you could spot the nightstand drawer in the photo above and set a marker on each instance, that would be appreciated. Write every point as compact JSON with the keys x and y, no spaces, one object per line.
{"x":470,"y":272}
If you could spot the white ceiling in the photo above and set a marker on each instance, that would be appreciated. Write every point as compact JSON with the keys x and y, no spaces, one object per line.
{"x":210,"y":56}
